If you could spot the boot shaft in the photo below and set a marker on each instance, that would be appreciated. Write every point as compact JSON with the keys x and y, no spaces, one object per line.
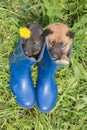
{"x":22,"y":61}
{"x":47,"y":67}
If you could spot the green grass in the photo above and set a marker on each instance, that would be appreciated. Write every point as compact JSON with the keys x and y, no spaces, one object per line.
{"x":70,"y":112}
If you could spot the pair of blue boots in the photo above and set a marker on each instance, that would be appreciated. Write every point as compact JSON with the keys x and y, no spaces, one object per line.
{"x":21,"y":84}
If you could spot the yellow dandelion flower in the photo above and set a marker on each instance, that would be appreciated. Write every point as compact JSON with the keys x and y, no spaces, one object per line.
{"x":25,"y":32}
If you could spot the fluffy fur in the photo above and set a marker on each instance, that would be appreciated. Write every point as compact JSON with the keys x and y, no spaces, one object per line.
{"x":58,"y":40}
{"x":33,"y":45}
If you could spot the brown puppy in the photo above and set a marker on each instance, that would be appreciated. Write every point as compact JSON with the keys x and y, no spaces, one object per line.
{"x":58,"y":39}
{"x":33,"y":45}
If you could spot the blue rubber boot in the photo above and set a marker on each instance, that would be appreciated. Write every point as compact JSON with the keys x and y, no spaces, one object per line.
{"x":20,"y":76}
{"x":46,"y":90}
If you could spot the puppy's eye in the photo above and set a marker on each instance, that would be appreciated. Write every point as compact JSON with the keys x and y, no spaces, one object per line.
{"x":51,"y":43}
{"x":63,"y":45}
{"x":35,"y":44}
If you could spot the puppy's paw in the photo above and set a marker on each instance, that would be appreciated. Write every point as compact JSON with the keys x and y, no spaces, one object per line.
{"x":32,"y":58}
{"x":26,"y":53}
{"x":62,"y":61}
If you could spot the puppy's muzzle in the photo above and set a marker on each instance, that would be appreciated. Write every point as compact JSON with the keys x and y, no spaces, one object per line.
{"x":56,"y":53}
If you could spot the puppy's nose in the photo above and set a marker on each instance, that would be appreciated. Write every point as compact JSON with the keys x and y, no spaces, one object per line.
{"x":55,"y":56}
{"x":59,"y":53}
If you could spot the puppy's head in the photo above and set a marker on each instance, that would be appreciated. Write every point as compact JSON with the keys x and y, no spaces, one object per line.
{"x":58,"y":39}
{"x":33,"y":45}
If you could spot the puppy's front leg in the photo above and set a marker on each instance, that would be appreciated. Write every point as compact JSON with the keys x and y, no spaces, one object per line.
{"x":63,"y":60}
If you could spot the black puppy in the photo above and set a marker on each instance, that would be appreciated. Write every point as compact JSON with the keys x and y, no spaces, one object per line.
{"x":32,"y":46}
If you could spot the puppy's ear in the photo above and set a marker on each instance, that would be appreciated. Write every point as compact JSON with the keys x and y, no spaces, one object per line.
{"x":31,"y":25}
{"x":28,"y":25}
{"x":47,"y":32}
{"x":70,"y":34}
